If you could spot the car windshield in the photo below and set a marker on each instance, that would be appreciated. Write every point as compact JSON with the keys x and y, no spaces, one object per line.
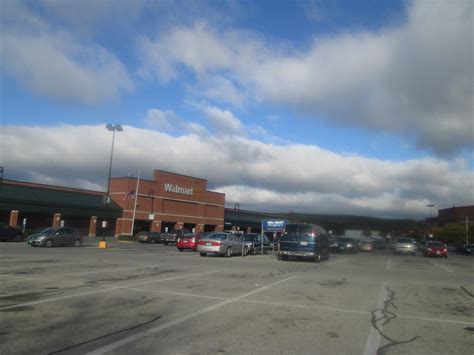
{"x":435,"y":244}
{"x":405,"y":240}
{"x":344,"y":240}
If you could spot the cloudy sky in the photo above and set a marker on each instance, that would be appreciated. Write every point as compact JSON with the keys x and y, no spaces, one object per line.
{"x":354,"y":106}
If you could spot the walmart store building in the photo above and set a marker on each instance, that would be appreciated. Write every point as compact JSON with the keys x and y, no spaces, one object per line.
{"x":165,"y":202}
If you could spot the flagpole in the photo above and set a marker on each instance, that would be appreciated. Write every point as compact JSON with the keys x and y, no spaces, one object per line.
{"x":135,"y":204}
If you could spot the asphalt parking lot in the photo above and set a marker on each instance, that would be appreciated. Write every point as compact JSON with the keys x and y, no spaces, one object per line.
{"x":150,"y":299}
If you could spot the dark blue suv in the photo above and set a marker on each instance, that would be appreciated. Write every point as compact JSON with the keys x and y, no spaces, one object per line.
{"x":307,"y":241}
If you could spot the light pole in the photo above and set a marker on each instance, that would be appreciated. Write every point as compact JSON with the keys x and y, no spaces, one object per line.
{"x":113,"y":129}
{"x":237,"y":208}
{"x":430,"y":206}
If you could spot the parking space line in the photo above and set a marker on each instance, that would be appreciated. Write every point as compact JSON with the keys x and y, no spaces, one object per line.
{"x":374,"y":338}
{"x":301,"y":306}
{"x":74,"y":274}
{"x":442,"y":266}
{"x":105,"y":289}
{"x":438,"y":320}
{"x":132,"y":338}
{"x":176,"y":293}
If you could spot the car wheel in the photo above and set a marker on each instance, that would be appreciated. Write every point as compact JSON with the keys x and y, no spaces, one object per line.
{"x":317,"y":258}
{"x":245,"y":252}
{"x":228,"y":252}
{"x":166,"y":243}
{"x":18,"y":238}
{"x":77,"y":243}
{"x":180,"y":249}
{"x":202,"y":254}
{"x":445,"y":256}
{"x":284,"y":257}
{"x":49,"y":243}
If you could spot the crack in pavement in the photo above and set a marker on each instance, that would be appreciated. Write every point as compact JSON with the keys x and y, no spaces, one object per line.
{"x":378,"y":322}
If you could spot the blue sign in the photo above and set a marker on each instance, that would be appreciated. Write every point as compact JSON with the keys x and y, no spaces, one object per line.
{"x":274,"y":225}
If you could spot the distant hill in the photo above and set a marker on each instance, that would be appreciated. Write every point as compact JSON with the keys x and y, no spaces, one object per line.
{"x":339,"y":223}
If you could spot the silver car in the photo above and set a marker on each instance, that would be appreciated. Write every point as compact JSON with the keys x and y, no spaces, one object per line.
{"x":226,"y":244}
{"x":56,"y":237}
{"x":405,"y":246}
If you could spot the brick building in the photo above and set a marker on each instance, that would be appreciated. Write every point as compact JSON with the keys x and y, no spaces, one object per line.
{"x":455,"y":215}
{"x":168,"y":201}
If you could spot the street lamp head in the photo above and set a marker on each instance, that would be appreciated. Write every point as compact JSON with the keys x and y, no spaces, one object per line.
{"x":115,"y":127}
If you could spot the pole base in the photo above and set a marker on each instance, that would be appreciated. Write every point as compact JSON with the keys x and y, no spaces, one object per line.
{"x":102,"y":244}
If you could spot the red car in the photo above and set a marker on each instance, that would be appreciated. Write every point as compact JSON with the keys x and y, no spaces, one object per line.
{"x":188,"y":241}
{"x":435,"y":248}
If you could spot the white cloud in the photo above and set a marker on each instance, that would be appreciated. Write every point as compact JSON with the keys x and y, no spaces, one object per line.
{"x":414,"y":80}
{"x":260,"y":176}
{"x":222,"y":120}
{"x":162,"y":120}
{"x":53,"y":63}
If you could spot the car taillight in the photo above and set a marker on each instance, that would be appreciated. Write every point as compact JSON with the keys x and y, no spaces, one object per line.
{"x":429,"y":249}
{"x":445,"y":250}
{"x":193,"y":240}
{"x":202,"y":242}
{"x":179,"y":239}
{"x":216,"y":244}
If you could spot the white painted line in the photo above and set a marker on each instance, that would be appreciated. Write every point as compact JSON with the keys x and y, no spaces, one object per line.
{"x":436,"y":320}
{"x":302,"y":306}
{"x":175,"y":293}
{"x":320,"y":308}
{"x":389,"y":264}
{"x":110,"y":288}
{"x":442,"y":266}
{"x":178,"y":320}
{"x":74,"y":274}
{"x":373,"y":340}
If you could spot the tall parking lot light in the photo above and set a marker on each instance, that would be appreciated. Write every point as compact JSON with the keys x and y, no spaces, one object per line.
{"x":430,"y":206}
{"x":113,"y":129}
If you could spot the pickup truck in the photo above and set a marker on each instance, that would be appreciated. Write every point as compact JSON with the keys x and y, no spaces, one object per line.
{"x":173,"y":235}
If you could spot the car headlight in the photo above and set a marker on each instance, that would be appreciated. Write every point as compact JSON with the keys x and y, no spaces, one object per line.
{"x":41,"y":238}
{"x":349,"y":245}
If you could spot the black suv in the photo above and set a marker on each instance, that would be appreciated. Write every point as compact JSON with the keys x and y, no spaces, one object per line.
{"x":9,"y":233}
{"x":253,"y":241}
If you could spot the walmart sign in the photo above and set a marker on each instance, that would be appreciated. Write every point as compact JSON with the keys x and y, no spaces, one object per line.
{"x":274,"y":225}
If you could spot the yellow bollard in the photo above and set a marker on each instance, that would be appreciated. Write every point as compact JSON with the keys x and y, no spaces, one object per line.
{"x":102,"y":244}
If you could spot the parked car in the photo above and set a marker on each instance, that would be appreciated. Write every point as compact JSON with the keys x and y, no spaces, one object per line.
{"x":405,"y":246}
{"x":435,"y":248}
{"x":226,"y":244}
{"x":344,"y":245}
{"x":56,"y":237}
{"x":149,"y":237}
{"x":304,"y":241}
{"x":188,"y":241}
{"x":366,"y":245}
{"x":379,"y":244}
{"x":10,"y":234}
{"x":467,"y":249}
{"x":173,"y":235}
{"x":253,"y":241}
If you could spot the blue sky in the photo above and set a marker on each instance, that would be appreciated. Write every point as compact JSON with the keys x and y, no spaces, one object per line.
{"x":376,"y":91}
